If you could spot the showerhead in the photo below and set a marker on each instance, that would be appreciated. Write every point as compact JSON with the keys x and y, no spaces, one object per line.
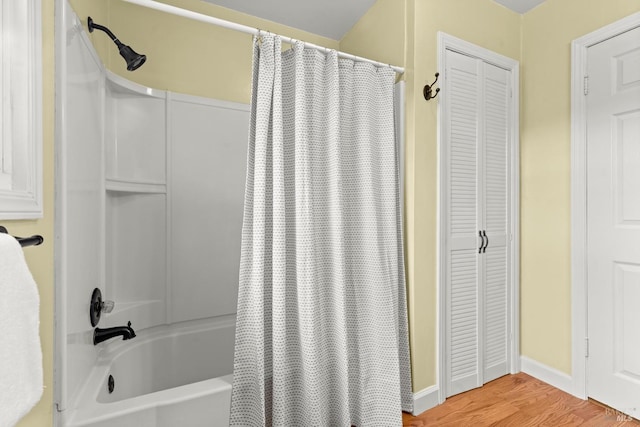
{"x":134,"y":59}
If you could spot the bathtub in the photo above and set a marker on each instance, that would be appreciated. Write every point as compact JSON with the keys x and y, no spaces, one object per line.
{"x":178,"y":375}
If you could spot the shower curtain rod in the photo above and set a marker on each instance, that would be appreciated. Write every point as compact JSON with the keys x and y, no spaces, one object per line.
{"x":174,"y":10}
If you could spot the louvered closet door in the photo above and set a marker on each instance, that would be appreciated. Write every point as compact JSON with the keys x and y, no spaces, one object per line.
{"x":495,"y":258}
{"x":464,"y":222}
{"x":476,"y":284}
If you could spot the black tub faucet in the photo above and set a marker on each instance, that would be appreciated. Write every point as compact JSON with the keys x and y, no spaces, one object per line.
{"x":126,"y":332}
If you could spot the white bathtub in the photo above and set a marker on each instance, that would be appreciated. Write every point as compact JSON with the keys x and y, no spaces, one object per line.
{"x":167,"y":376}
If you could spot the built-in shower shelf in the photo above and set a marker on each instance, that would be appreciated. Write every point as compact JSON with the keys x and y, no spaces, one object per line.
{"x":119,"y":186}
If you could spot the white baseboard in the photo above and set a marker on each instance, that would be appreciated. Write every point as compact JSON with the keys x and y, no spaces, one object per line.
{"x":549,"y":375}
{"x":425,"y":399}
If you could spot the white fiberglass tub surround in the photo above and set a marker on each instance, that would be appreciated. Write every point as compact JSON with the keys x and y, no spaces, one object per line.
{"x":179,"y":375}
{"x":149,"y":208}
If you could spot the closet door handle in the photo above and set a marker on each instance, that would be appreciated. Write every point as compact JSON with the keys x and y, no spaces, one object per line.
{"x":481,"y":243}
{"x":484,"y":233}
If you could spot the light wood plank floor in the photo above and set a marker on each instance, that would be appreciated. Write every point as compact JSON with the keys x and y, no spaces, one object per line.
{"x":518,"y":400}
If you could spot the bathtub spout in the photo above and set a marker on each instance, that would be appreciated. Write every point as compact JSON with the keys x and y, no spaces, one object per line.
{"x":126,"y":332}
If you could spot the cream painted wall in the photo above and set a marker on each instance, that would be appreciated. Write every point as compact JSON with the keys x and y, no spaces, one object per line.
{"x":184,"y":55}
{"x":545,"y":152}
{"x":482,"y":22}
{"x":40,"y":258}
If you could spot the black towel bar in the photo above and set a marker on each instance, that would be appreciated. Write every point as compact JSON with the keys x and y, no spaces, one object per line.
{"x":25,"y":241}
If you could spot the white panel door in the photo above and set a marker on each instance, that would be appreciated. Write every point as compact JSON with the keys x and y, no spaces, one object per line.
{"x":464,"y":357}
{"x":613,"y":222}
{"x":477,"y":221}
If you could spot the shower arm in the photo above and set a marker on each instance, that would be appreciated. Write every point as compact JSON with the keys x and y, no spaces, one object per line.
{"x":133,"y":59}
{"x":92,"y":25}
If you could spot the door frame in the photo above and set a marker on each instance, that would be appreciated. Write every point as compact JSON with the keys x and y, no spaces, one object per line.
{"x":448,"y":42}
{"x":579,"y":84}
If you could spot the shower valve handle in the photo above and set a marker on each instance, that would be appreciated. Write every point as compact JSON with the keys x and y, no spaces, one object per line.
{"x":107,"y":306}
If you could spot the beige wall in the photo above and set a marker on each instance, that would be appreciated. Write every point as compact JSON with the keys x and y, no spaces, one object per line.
{"x":545,"y":153}
{"x":40,"y":258}
{"x":482,"y":22}
{"x":183,"y":55}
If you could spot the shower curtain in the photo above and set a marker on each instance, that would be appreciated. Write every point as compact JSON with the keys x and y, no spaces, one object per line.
{"x":321,"y":333}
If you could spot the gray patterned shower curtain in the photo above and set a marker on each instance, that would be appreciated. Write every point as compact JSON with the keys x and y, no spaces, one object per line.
{"x":321,"y":334}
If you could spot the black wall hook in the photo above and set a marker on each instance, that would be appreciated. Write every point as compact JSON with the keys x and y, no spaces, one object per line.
{"x":428,"y":91}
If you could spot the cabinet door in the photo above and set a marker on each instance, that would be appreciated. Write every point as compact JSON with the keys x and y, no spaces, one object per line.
{"x":495,"y":259}
{"x":462,"y":86}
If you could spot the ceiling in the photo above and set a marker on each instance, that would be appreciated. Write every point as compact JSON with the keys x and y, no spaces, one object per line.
{"x":329,"y":18}
{"x":520,"y":6}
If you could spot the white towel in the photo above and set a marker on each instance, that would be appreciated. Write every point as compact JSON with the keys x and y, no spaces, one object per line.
{"x":20,"y":351}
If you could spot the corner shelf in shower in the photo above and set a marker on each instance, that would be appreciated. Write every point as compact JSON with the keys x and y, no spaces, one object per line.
{"x":135,"y":144}
{"x":121,"y":186}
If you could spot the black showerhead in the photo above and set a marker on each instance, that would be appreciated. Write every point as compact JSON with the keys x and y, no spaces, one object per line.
{"x":134,"y":59}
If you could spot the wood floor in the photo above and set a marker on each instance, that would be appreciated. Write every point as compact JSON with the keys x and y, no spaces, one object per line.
{"x":518,"y":400}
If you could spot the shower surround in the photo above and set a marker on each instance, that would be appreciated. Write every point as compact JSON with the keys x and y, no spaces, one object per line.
{"x":149,"y":188}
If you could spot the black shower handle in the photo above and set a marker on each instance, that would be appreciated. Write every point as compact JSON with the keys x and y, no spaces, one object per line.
{"x":481,"y":243}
